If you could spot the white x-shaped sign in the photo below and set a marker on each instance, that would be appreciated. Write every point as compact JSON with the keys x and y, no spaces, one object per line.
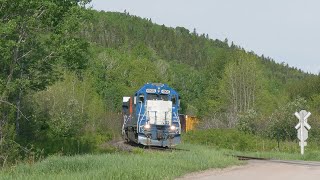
{"x":303,"y":120}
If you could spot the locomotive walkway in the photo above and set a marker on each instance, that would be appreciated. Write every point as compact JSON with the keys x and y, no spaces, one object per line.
{"x":262,"y":170}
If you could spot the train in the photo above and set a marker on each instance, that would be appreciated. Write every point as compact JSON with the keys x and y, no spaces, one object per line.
{"x":151,"y":116}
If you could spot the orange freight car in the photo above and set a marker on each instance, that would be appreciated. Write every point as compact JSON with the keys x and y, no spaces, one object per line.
{"x":188,"y":122}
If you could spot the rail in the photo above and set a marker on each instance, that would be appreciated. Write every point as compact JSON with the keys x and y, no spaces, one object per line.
{"x":296,"y":162}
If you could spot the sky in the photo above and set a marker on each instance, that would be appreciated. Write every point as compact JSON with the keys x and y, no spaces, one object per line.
{"x":286,"y":30}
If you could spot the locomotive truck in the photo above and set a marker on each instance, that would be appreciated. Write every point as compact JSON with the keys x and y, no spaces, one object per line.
{"x":151,"y":116}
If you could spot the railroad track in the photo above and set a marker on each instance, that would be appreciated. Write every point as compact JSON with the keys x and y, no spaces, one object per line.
{"x":306,"y":163}
{"x":164,"y":148}
{"x":244,"y":158}
{"x":127,"y":146}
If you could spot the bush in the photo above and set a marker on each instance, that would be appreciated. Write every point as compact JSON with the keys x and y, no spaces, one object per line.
{"x":247,"y":122}
{"x":282,"y":121}
{"x":9,"y":149}
{"x":236,"y":140}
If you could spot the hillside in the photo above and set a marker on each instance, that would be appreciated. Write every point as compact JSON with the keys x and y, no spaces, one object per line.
{"x":62,"y":92}
{"x":203,"y":57}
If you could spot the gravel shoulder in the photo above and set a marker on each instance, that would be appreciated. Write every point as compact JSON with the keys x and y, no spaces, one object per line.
{"x":262,"y":170}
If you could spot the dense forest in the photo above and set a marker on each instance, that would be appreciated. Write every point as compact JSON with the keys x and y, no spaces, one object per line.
{"x":65,"y":68}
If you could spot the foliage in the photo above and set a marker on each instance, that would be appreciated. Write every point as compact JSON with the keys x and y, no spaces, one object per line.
{"x":9,"y":150}
{"x":35,"y":38}
{"x":236,"y":140}
{"x":282,"y":121}
{"x":35,"y":35}
{"x":247,"y":122}
{"x":230,"y":139}
{"x":64,"y":70}
{"x":69,"y":112}
{"x":240,"y":85}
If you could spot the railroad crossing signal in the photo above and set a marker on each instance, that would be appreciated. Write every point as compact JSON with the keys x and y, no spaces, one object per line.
{"x":303,"y":128}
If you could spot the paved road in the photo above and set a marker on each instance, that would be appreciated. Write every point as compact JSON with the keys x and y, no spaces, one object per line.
{"x":260,"y":170}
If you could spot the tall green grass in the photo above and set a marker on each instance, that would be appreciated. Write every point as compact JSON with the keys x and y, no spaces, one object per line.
{"x":138,"y":165}
{"x":239,"y":143}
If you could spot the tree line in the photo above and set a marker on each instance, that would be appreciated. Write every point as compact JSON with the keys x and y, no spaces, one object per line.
{"x":65,"y":68}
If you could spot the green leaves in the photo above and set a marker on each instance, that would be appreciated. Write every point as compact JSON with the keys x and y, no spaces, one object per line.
{"x":74,"y":54}
{"x":36,"y":38}
{"x":282,"y":121}
{"x":33,"y":37}
{"x":241,"y":84}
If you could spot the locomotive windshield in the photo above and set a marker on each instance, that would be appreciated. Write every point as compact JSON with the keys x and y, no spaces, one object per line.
{"x":163,"y":97}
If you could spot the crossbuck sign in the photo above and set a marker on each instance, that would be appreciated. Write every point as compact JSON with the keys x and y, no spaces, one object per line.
{"x":303,"y":128}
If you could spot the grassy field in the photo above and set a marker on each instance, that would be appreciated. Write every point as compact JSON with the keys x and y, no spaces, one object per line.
{"x":138,"y":165}
{"x":239,"y":143}
{"x":201,"y":150}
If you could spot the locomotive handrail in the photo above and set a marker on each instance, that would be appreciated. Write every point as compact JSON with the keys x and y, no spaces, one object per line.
{"x":139,"y":119}
{"x":138,"y":124}
{"x":165,"y":118}
{"x":176,"y":116}
{"x":155,"y":116}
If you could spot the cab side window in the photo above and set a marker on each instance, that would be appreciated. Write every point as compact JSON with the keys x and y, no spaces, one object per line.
{"x":141,"y":98}
{"x":174,"y":100}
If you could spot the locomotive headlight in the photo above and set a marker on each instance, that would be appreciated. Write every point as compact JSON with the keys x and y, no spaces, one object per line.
{"x":172,"y":128}
{"x":147,"y":130}
{"x":147,"y":126}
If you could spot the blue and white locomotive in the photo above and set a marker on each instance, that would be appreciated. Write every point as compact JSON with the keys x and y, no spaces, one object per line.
{"x":151,"y":116}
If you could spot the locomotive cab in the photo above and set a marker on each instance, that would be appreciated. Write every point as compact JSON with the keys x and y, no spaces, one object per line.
{"x":151,"y":116}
